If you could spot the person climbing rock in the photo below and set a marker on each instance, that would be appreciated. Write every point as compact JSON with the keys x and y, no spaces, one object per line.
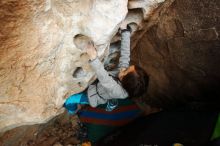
{"x":126,"y":81}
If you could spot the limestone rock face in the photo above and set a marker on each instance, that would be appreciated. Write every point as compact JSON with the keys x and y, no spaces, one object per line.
{"x":180,"y":49}
{"x":38,"y":56}
{"x":40,"y":64}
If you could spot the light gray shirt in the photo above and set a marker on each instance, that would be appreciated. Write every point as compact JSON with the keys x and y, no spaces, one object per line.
{"x":107,"y":87}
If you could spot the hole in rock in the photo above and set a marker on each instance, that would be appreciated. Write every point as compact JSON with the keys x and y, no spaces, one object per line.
{"x":134,"y":18}
{"x":133,"y":26}
{"x":81,"y":41}
{"x":113,"y":58}
{"x":79,"y":73}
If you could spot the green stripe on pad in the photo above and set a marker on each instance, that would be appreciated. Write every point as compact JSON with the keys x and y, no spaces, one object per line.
{"x":216,"y":133}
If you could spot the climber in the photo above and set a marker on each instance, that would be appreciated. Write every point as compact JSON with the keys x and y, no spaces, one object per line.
{"x":126,"y":81}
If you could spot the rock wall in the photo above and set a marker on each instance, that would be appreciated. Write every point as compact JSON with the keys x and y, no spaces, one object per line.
{"x":180,"y":49}
{"x":38,"y":55}
{"x":40,"y":64}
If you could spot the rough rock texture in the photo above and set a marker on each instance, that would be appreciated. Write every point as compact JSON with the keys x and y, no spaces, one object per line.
{"x":180,"y":49}
{"x":38,"y":55}
{"x":40,"y":64}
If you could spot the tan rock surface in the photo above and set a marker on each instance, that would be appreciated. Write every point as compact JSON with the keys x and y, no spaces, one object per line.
{"x":38,"y":57}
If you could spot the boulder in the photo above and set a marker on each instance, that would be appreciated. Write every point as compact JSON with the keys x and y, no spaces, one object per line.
{"x":180,"y":49}
{"x":41,"y":63}
{"x":38,"y":56}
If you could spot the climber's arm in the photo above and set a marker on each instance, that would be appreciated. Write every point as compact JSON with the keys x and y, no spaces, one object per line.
{"x":111,"y":86}
{"x":103,"y":76}
{"x":125,"y":48}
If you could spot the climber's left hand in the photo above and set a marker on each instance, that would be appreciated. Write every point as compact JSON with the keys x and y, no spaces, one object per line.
{"x":123,"y":25}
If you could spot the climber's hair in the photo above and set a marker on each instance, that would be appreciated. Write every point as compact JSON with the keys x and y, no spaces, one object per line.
{"x":136,"y":83}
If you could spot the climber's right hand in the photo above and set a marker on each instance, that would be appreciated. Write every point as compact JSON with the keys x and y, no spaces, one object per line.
{"x":91,"y":50}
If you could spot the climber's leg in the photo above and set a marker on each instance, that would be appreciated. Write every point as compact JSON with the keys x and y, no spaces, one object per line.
{"x":72,"y":101}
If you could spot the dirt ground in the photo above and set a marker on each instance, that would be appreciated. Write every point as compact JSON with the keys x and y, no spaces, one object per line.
{"x":61,"y":133}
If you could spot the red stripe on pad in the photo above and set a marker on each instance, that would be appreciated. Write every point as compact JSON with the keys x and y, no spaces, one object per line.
{"x":117,"y":110}
{"x":105,"y":122}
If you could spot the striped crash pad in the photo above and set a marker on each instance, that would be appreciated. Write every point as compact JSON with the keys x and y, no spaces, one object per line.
{"x":100,"y":122}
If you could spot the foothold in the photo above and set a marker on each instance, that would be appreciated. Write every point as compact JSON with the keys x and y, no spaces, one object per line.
{"x":79,"y":73}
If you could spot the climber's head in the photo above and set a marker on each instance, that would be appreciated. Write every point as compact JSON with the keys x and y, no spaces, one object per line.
{"x":134,"y":80}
